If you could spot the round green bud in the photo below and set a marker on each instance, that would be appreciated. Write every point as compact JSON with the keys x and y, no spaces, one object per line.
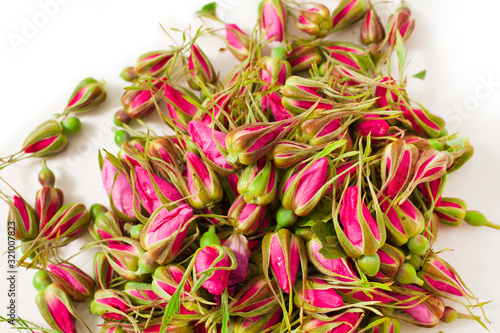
{"x":285,"y":218}
{"x":279,"y":52}
{"x":135,"y":231}
{"x":449,"y":315}
{"x":436,"y":144}
{"x":129,"y":74}
{"x":415,"y":261}
{"x":209,"y":238}
{"x":96,"y":210}
{"x":71,"y":126}
{"x":146,"y":264}
{"x":121,"y":137}
{"x":46,"y":177}
{"x":477,"y":219}
{"x":121,"y":117}
{"x":418,"y":244}
{"x":41,"y":280}
{"x":407,"y":275}
{"x":370,"y":265}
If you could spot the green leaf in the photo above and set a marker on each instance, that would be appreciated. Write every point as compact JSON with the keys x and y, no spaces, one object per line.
{"x":331,"y":247}
{"x":321,"y":213}
{"x":208,"y":9}
{"x":420,"y":75}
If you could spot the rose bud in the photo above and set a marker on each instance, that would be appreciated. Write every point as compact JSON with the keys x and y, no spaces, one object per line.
{"x":47,"y":139}
{"x":132,"y":154}
{"x":396,"y":169}
{"x":284,"y":251}
{"x":124,"y":258}
{"x":249,"y":143}
{"x":153,"y":63}
{"x":88,"y":94}
{"x":386,"y":98}
{"x":432,"y":190}
{"x":400,"y":22}
{"x":304,"y":57}
{"x":391,"y":258}
{"x":272,"y":18}
{"x":237,"y":41}
{"x":107,"y":226}
{"x":48,"y":201}
{"x":345,"y":171}
{"x":342,"y":323}
{"x":349,"y":56}
{"x":258,"y":324}
{"x":300,"y":94}
{"x":214,"y":263}
{"x":372,"y":30}
{"x":55,"y":307}
{"x":110,"y":304}
{"x":155,"y":191}
{"x":359,"y":233}
{"x":424,"y":123}
{"x":317,"y":296}
{"x":200,"y":69}
{"x":275,"y":71}
{"x":162,"y":151}
{"x":430,"y":166}
{"x":451,"y":211}
{"x":24,"y":218}
{"x":245,"y":217}
{"x":403,"y":221}
{"x":139,"y":102}
{"x":431,"y":229}
{"x":347,"y":13}
{"x":166,"y":280}
{"x":386,"y":325}
{"x":315,"y":21}
{"x":372,"y":125}
{"x":373,"y":295}
{"x":140,"y":293}
{"x":258,"y":183}
{"x":287,"y":153}
{"x":146,"y":264}
{"x":69,"y":221}
{"x":424,"y":313}
{"x":421,"y":143}
{"x":180,"y":109}
{"x":129,"y":74}
{"x":165,"y":232}
{"x":303,"y":186}
{"x":450,"y":315}
{"x":440,"y":278}
{"x":477,"y":219}
{"x":208,"y":140}
{"x":273,"y":103}
{"x":255,"y":298}
{"x":325,"y":129}
{"x":103,"y":273}
{"x":203,"y":184}
{"x":461,"y":150}
{"x":78,"y":284}
{"x":239,"y":245}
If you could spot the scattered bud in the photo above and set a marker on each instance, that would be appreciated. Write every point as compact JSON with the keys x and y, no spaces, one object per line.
{"x":153,"y":63}
{"x":451,"y":211}
{"x":56,"y":308}
{"x":47,"y":139}
{"x":201,"y":70}
{"x":75,"y":282}
{"x":315,"y":21}
{"x":88,"y":94}
{"x":238,"y":42}
{"x":272,"y":18}
{"x":372,"y":30}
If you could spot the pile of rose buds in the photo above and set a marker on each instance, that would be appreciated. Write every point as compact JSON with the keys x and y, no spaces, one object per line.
{"x":301,"y":193}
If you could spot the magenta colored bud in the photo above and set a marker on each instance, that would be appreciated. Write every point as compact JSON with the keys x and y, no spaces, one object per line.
{"x":238,"y":42}
{"x":258,"y":324}
{"x":417,"y":141}
{"x":272,"y":17}
{"x":347,"y":13}
{"x":372,"y":30}
{"x":56,"y":308}
{"x":386,"y":97}
{"x":48,"y":201}
{"x":373,"y":295}
{"x":397,"y":166}
{"x":400,"y":22}
{"x":275,"y":105}
{"x":304,"y":57}
{"x":131,"y":153}
{"x":203,"y":184}
{"x":255,"y":298}
{"x":432,"y":190}
{"x":124,"y":258}
{"x":391,"y":258}
{"x":200,"y":69}
{"x":161,"y":151}
{"x":165,"y":232}
{"x":180,"y":109}
{"x":107,"y":226}
{"x":342,"y":323}
{"x":359,"y":233}
{"x":430,"y":166}
{"x":246,"y":218}
{"x":372,"y":125}
{"x":78,"y":284}
{"x":424,"y":123}
{"x":140,"y":101}
{"x":440,"y":278}
{"x":216,"y":259}
{"x":275,"y":71}
{"x":404,"y":220}
{"x":315,"y":21}
{"x":217,"y":111}
{"x":317,"y":296}
{"x":304,"y":186}
{"x":110,"y":304}
{"x":300,"y":94}
{"x":451,"y":211}
{"x":350,"y":56}
{"x":24,"y":218}
{"x":88,"y":94}
{"x":166,"y":280}
{"x":239,"y":245}
{"x":70,"y":221}
{"x":140,"y":293}
{"x":287,"y":153}
{"x":46,"y":139}
{"x":153,"y":63}
{"x":103,"y":273}
{"x":325,"y":129}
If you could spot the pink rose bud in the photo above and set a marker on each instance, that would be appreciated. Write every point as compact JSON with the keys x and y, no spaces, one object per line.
{"x":110,"y":304}
{"x":258,"y":324}
{"x":161,"y":152}
{"x":139,"y":102}
{"x":440,"y":278}
{"x":48,"y":201}
{"x":317,"y":296}
{"x":203,"y":184}
{"x":397,"y":166}
{"x":216,"y":112}
{"x":180,"y":109}
{"x":124,"y":258}
{"x":249,"y":143}
{"x":78,"y":284}
{"x":347,"y":13}
{"x":315,"y":21}
{"x":131,"y":153}
{"x":391,"y":258}
{"x":70,"y":221}
{"x":372,"y":125}
{"x":165,"y":232}
{"x":107,"y":226}
{"x":372,"y":30}
{"x":246,"y":218}
{"x":404,"y":220}
{"x":288,"y":153}
{"x":420,"y":143}
{"x":153,"y":63}
{"x":325,"y":129}
{"x":432,"y":190}
{"x":374,"y":295}
{"x":430,"y":166}
{"x":349,"y":56}
{"x":255,"y":298}
{"x":88,"y":94}
{"x":342,"y":323}
{"x":274,"y":104}
{"x":166,"y":280}
{"x":55,"y":307}
{"x":140,"y":293}
{"x":47,"y":139}
{"x":214,"y":261}
{"x":103,"y":273}
{"x":300,"y":94}
{"x":24,"y":218}
{"x":431,"y":229}
{"x":424,"y":123}
{"x":272,"y":18}
{"x":340,"y":268}
{"x":284,"y":251}
{"x":275,"y":71}
{"x":304,"y":185}
{"x":129,"y":74}
{"x":239,"y":245}
{"x":451,"y":211}
{"x":237,"y":41}
{"x":386,"y":98}
{"x":259,"y":182}
{"x":208,"y":140}
{"x":400,"y":22}
{"x":304,"y":57}
{"x":155,"y":191}
{"x":461,"y":150}
{"x":200,"y":69}
{"x":359,"y":233}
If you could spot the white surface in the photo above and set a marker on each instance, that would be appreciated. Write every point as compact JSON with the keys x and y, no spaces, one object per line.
{"x":455,"y":41}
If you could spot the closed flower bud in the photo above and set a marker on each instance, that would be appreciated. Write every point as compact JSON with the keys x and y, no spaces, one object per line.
{"x":397,"y":166}
{"x":239,"y":245}
{"x":403,"y":221}
{"x":424,"y":123}
{"x":317,"y":296}
{"x":386,"y":98}
{"x":131,"y":153}
{"x":180,"y":109}
{"x":124,"y":258}
{"x":103,"y":272}
{"x":432,"y":190}
{"x":325,"y":129}
{"x":166,"y":280}
{"x":202,"y":182}
{"x":200,"y":69}
{"x":140,"y":293}
{"x":341,"y":323}
{"x":165,"y":232}
{"x":24,"y":218}
{"x":350,"y":56}
{"x":304,"y":57}
{"x":388,"y":325}
{"x":56,"y":308}
{"x":440,"y":278}
{"x":215,"y":261}
{"x":477,"y":219}
{"x":140,"y":101}
{"x":245,"y":217}
{"x":400,"y":22}
{"x":348,"y":12}
{"x":107,"y":226}
{"x":78,"y":284}
{"x":153,"y":63}
{"x":461,"y":149}
{"x":424,"y":313}
{"x":272,"y":102}
{"x":47,"y":139}
{"x":272,"y":18}
{"x":300,"y":94}
{"x":69,"y":221}
{"x":372,"y":295}
{"x":46,"y":177}
{"x":431,"y":229}
{"x":430,"y":166}
{"x":258,"y":183}
{"x":110,"y":304}
{"x":257,"y":324}
{"x":275,"y":71}
{"x":372,"y":125}
{"x":255,"y":298}
{"x":372,"y":30}
{"x":287,"y":153}
{"x":359,"y":233}
{"x":451,"y":211}
{"x":88,"y":94}
{"x":315,"y":21}
{"x":146,"y":264}
{"x":237,"y":41}
{"x":48,"y":201}
{"x":391,"y":258}
{"x":129,"y":74}
{"x":162,"y":151}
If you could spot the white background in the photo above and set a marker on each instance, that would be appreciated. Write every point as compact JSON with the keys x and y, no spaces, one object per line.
{"x":455,"y":41}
